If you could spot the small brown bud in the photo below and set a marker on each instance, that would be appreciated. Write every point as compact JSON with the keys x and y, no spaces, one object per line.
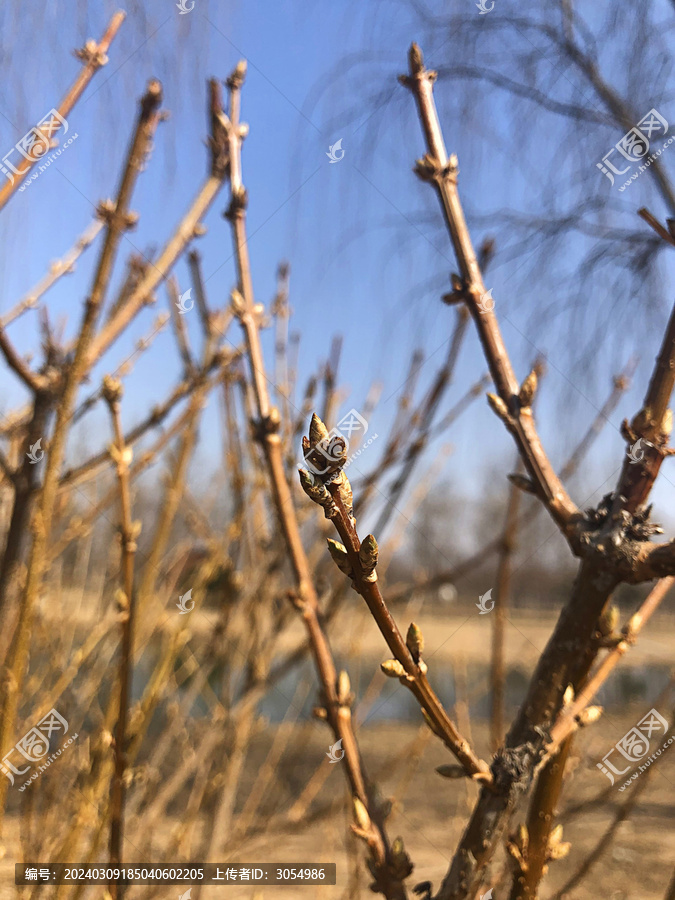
{"x":522,"y":483}
{"x":361,"y":814}
{"x":528,"y":390}
{"x":451,"y":771}
{"x":340,"y":557}
{"x":415,"y":59}
{"x":368,"y":553}
{"x":608,"y":621}
{"x":498,"y":406}
{"x":415,"y":641}
{"x":343,"y":687}
{"x":317,"y":431}
{"x":392,"y":668}
{"x":589,"y":715}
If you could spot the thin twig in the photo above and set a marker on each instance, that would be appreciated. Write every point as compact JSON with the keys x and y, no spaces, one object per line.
{"x":93,"y":56}
{"x":390,"y":864}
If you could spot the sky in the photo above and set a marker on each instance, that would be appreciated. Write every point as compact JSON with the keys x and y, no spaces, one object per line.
{"x":368,"y":260}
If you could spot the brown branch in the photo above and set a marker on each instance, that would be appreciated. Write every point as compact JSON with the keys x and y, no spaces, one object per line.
{"x":129,"y":531}
{"x":502,"y":597}
{"x":32,"y":380}
{"x":142,"y":345}
{"x":178,"y":322}
{"x":93,"y":56}
{"x":569,"y":719}
{"x":194,"y":260}
{"x":620,"y":816}
{"x":513,"y":403}
{"x":42,"y":517}
{"x":155,"y":418}
{"x":652,"y":426}
{"x":425,"y":419}
{"x":57,"y":269}
{"x":189,"y":226}
{"x":571,"y":648}
{"x":540,"y":844}
{"x":389,"y":864}
{"x":654,"y":223}
{"x":670,"y":891}
{"x":620,"y":384}
{"x":333,"y":492}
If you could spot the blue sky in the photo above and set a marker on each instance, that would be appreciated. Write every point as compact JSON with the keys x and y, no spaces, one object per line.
{"x":367,"y":258}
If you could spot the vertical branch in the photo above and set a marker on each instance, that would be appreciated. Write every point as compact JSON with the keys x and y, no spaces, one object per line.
{"x":389,"y":864}
{"x":129,"y":531}
{"x":194,"y":260}
{"x":281,"y":312}
{"x":179,"y":329}
{"x":503,"y":591}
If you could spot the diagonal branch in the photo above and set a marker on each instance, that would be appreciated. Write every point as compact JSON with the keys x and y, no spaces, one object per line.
{"x":93,"y":55}
{"x":57,"y":269}
{"x":513,"y":403}
{"x":359,"y":560}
